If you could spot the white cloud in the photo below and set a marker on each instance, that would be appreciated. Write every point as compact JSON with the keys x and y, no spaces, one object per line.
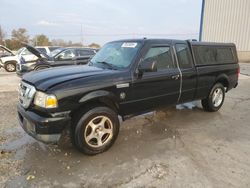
{"x":46,"y":23}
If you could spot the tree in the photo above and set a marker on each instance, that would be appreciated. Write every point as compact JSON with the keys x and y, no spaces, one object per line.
{"x":94,"y":45}
{"x":2,"y":35}
{"x":58,"y":42}
{"x":41,"y":40}
{"x":19,"y":36}
{"x":9,"y":44}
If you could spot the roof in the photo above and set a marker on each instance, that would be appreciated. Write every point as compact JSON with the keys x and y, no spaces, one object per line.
{"x":195,"y":43}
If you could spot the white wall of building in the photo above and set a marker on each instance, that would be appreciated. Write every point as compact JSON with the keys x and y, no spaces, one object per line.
{"x":228,"y":21}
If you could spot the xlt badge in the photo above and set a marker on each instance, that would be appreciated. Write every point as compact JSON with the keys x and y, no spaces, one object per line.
{"x":122,"y":95}
{"x":122,"y":85}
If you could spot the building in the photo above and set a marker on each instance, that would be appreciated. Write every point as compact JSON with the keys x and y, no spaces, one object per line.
{"x":227,"y":21}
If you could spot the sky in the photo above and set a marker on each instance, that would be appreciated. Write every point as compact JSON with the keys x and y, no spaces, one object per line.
{"x":101,"y":21}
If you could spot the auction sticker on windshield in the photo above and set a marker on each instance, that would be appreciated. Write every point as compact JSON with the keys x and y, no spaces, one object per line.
{"x":129,"y":45}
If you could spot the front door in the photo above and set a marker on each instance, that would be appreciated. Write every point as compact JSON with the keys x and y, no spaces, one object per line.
{"x":153,"y":89}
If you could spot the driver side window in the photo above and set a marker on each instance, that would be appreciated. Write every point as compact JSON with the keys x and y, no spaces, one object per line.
{"x":162,"y":56}
{"x":66,"y":55}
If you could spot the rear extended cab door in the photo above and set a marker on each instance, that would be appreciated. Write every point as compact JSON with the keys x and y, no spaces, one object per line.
{"x":188,"y":71}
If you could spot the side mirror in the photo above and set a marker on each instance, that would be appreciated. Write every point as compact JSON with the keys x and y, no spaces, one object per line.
{"x":148,"y":65}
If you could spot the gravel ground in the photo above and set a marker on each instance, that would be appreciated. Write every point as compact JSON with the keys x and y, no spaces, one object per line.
{"x":167,"y":148}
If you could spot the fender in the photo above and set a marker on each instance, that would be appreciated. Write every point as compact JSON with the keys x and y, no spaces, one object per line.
{"x":224,"y":79}
{"x":100,"y":95}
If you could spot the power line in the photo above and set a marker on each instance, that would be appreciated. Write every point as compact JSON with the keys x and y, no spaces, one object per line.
{"x":118,"y":34}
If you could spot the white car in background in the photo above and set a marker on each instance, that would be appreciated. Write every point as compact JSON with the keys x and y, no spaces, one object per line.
{"x":46,"y":49}
{"x":9,"y":62}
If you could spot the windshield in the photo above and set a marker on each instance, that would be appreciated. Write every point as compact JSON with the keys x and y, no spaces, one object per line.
{"x":55,"y":52}
{"x":116,"y":54}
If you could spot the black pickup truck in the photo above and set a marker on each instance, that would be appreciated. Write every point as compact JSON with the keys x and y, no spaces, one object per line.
{"x":125,"y":78}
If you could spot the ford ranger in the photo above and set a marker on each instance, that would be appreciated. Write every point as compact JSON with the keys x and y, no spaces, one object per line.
{"x":125,"y":78}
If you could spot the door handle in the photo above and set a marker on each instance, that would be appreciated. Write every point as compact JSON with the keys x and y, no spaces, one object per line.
{"x":175,"y":77}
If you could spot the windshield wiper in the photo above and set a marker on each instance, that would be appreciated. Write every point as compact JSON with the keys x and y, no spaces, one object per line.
{"x":107,"y":64}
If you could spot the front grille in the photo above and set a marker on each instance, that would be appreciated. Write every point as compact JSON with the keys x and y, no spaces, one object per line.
{"x":26,"y":94}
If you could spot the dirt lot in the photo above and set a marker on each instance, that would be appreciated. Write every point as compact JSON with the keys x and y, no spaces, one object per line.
{"x":169,"y":148}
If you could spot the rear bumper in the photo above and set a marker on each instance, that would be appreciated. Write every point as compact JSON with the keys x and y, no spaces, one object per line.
{"x":236,"y":85}
{"x":44,"y":129}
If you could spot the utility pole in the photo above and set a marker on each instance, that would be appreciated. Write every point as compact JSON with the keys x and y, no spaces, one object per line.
{"x":82,"y":33}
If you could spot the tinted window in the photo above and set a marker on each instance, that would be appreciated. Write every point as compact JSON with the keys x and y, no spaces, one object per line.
{"x":213,"y":55}
{"x":162,"y":56}
{"x":52,"y":48}
{"x":42,"y":50}
{"x":224,"y":54}
{"x":85,"y":52}
{"x":183,"y":55}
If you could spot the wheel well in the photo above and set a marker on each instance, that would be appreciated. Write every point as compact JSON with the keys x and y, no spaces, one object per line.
{"x":7,"y":62}
{"x":38,"y":66}
{"x":223,"y":81}
{"x":101,"y":101}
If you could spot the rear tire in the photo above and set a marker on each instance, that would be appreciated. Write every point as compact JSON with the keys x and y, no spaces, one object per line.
{"x":10,"y":67}
{"x":215,"y":99}
{"x":96,"y":130}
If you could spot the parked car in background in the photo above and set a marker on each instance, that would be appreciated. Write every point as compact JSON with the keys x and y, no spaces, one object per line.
{"x":9,"y":63}
{"x":47,"y":49}
{"x":5,"y":52}
{"x":125,"y":78}
{"x":58,"y":57}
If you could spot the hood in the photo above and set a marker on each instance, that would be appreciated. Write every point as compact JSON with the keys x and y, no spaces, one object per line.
{"x":7,"y":49}
{"x":36,"y":52}
{"x":46,"y":79}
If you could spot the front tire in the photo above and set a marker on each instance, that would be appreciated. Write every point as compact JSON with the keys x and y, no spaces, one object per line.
{"x":10,"y":67}
{"x":215,"y":99}
{"x":96,"y":130}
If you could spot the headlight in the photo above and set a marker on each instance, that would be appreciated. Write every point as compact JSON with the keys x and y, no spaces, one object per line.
{"x":44,"y":100}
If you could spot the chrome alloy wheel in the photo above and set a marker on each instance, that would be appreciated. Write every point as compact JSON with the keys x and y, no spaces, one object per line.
{"x":98,"y":131}
{"x":10,"y":67}
{"x":217,"y":97}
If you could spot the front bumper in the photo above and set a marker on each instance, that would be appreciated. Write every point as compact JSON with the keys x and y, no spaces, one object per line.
{"x":44,"y":129}
{"x":21,"y":69}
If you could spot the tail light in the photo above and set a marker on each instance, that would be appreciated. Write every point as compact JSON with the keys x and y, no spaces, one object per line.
{"x":238,"y":72}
